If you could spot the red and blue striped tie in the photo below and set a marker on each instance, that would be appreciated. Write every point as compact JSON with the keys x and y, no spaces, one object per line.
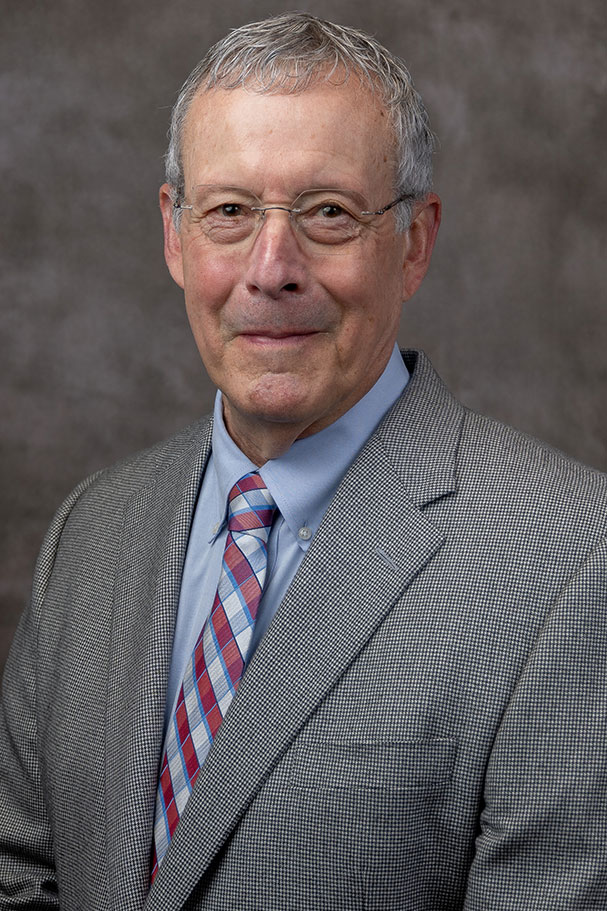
{"x":215,"y":668}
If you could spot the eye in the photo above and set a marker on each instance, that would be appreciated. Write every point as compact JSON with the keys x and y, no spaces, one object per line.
{"x":331,"y":210}
{"x":230,"y":209}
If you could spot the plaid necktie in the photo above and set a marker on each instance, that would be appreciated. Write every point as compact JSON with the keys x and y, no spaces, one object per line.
{"x":215,"y":668}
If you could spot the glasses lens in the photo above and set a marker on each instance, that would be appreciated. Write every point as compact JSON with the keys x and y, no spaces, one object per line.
{"x":329,"y":219}
{"x":224,"y":214}
{"x":328,"y":216}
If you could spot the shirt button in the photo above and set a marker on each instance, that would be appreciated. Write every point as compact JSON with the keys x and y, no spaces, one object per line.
{"x":305,"y":533}
{"x":215,"y":528}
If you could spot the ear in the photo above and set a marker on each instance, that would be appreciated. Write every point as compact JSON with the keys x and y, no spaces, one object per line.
{"x":419,"y":243}
{"x":172,"y":240}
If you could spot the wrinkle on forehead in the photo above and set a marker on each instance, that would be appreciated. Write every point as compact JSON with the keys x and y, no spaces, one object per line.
{"x":221,"y":126}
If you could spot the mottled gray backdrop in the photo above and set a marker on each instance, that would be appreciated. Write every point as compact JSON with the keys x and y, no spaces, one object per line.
{"x":97,"y":358}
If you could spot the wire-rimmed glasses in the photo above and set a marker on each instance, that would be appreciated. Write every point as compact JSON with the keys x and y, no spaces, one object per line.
{"x":327,"y":218}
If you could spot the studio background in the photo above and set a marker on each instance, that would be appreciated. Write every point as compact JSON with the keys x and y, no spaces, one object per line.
{"x":97,"y":358}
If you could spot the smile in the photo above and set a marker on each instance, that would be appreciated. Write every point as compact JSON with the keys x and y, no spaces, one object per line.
{"x":278,"y":337}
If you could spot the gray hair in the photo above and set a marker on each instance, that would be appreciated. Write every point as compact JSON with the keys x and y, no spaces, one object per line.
{"x":292,"y":52}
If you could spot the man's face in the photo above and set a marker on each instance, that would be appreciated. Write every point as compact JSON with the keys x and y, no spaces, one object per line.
{"x":291,"y":335}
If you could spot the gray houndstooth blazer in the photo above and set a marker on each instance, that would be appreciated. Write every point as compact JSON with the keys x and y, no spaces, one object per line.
{"x":423,"y":727}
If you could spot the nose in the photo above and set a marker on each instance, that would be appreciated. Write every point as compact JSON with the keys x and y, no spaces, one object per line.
{"x":276,"y":263}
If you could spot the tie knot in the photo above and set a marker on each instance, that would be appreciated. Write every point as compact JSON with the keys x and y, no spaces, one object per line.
{"x":250,"y":504}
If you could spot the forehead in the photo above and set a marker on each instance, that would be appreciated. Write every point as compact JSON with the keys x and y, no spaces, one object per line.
{"x":331,"y":134}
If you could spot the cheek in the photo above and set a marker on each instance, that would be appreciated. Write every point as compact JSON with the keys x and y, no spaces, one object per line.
{"x":206,"y":278}
{"x":208,"y":284}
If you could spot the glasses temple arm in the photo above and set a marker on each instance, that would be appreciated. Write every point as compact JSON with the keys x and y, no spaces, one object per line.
{"x":391,"y":204}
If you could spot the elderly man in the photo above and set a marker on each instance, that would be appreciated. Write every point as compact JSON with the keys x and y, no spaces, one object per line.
{"x":344,"y":645}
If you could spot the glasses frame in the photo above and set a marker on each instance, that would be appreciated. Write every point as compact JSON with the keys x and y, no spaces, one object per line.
{"x":263,"y":209}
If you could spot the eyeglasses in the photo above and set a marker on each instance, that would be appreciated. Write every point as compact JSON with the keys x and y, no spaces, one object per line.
{"x":328,"y":218}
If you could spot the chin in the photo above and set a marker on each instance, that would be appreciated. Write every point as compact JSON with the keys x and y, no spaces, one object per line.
{"x":278,"y":402}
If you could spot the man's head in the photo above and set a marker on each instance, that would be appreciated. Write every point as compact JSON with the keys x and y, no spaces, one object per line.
{"x":295,"y":312}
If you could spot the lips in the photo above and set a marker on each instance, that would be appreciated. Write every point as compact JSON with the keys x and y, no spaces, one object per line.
{"x":278,"y":333}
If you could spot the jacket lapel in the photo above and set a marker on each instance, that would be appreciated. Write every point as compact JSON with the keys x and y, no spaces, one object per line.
{"x":371,"y":544}
{"x":154,"y":540}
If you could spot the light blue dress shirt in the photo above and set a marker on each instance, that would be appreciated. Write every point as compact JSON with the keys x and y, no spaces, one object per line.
{"x":302,"y":482}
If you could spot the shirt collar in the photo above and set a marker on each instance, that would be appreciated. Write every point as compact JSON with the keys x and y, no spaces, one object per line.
{"x":304,"y":479}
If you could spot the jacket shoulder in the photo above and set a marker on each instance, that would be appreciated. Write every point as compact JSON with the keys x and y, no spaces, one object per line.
{"x":100,"y":499}
{"x":496,"y":451}
{"x":140,"y":469}
{"x":498,"y":474}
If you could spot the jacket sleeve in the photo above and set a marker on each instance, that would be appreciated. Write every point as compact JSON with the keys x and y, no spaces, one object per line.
{"x":542,"y":842}
{"x":27,"y":870}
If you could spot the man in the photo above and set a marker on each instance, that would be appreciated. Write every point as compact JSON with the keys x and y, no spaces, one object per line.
{"x":345,"y":645}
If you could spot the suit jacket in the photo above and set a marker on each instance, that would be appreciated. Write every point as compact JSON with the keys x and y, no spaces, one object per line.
{"x":424,"y":725}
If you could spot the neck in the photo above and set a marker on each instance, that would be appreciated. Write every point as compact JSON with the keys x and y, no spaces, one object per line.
{"x":259,"y":440}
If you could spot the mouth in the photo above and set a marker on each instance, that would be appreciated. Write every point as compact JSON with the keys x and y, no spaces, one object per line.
{"x":278,"y":336}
